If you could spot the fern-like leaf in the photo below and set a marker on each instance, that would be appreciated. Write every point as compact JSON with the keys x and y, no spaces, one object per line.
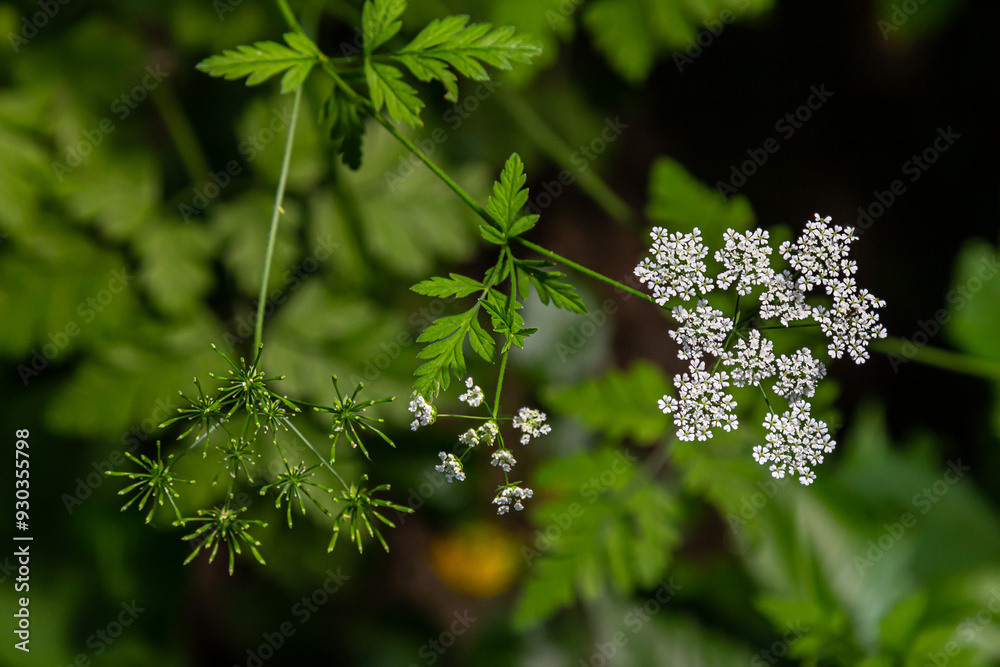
{"x":445,"y":354}
{"x":451,"y":43}
{"x":387,"y":89}
{"x":548,"y":284}
{"x":264,"y":60}
{"x":380,"y":22}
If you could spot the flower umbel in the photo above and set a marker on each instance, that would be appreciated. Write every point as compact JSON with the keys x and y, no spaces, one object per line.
{"x":511,"y":494}
{"x":156,"y":483}
{"x":532,"y":424}
{"x":451,"y":467}
{"x":424,"y":412}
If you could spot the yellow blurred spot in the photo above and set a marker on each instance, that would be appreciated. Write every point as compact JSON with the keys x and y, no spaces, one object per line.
{"x":480,"y":559}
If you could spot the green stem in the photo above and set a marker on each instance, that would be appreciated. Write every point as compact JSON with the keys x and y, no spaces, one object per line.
{"x":934,"y":356}
{"x":584,"y":270}
{"x":553,"y":145}
{"x":322,"y":459}
{"x":276,"y":216}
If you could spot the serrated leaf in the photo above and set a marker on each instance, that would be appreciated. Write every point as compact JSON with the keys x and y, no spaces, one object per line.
{"x":509,"y":193}
{"x":343,"y":118}
{"x":451,"y":42}
{"x":264,"y":60}
{"x":445,"y":338}
{"x":379,"y":21}
{"x":521,"y":225}
{"x":549,"y":286}
{"x":491,"y":234}
{"x":387,"y":89}
{"x":622,"y":534}
{"x":457,"y":285}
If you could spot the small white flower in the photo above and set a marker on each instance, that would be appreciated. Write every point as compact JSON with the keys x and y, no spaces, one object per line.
{"x":702,"y":330}
{"x":747,"y":260}
{"x":484,"y":435}
{"x":701,"y":404}
{"x":820,"y":253}
{"x":474,"y":395}
{"x":532,"y":423}
{"x":424,"y":412}
{"x":504,"y":459}
{"x":677,"y":268}
{"x":451,"y":467}
{"x":753,"y":359}
{"x":509,"y":494}
{"x":795,"y":443}
{"x":784,"y":300}
{"x":798,"y":375}
{"x":852,"y":323}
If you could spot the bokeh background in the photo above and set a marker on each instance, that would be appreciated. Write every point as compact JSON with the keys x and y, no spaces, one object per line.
{"x":120,"y":263}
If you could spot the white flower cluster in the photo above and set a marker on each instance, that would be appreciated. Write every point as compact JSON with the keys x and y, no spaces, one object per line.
{"x":451,"y":467}
{"x":484,"y":435}
{"x":424,"y":412}
{"x":818,"y":257}
{"x":677,"y":268}
{"x":509,"y":494}
{"x":504,"y":459}
{"x":795,"y":443}
{"x":474,"y":396}
{"x":529,"y":421}
{"x":532,"y":423}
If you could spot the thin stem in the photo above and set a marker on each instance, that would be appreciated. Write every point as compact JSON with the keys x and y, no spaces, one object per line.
{"x":276,"y":216}
{"x":322,"y":459}
{"x":556,"y":148}
{"x":584,"y":270}
{"x":935,"y":356}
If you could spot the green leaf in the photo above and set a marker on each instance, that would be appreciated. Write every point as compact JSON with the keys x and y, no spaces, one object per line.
{"x":621,"y":404}
{"x":549,"y":286}
{"x":679,"y":200}
{"x":457,"y":285}
{"x":387,"y":88}
{"x":451,"y":42}
{"x":264,"y":60}
{"x":445,"y":338}
{"x":506,"y":320}
{"x":379,"y":21}
{"x":343,"y":118}
{"x":620,"y":534}
{"x":509,"y":194}
{"x":491,"y":234}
